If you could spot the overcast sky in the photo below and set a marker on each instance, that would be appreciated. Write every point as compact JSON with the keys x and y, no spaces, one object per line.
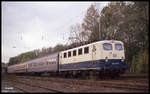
{"x":27,"y":26}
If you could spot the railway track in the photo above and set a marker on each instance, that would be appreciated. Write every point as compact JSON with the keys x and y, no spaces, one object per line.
{"x":45,"y":84}
{"x":137,"y":81}
{"x":109,"y":84}
{"x":125,"y":86}
{"x":34,"y":87}
{"x":22,"y":89}
{"x":40,"y":82}
{"x":12,"y":88}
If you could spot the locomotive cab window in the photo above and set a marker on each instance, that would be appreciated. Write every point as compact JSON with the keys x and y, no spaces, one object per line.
{"x":65,"y":55}
{"x":86,"y":50}
{"x":118,"y":47}
{"x":69,"y":54}
{"x":107,"y":46}
{"x":80,"y":51}
{"x":74,"y":53}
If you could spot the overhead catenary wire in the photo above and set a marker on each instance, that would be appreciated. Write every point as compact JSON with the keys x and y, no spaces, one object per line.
{"x":61,"y":28}
{"x":69,"y":22}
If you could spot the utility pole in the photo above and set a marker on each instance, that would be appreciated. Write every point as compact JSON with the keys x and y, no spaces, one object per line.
{"x":100,"y":31}
{"x":100,"y":22}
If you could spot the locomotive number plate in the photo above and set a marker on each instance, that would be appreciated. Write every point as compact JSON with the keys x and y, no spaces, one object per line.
{"x":115,"y":63}
{"x":114,"y":55}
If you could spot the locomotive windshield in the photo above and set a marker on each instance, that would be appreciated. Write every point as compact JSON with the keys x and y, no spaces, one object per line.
{"x":118,"y":47}
{"x":107,"y":46}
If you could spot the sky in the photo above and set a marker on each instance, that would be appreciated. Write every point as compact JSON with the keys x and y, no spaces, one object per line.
{"x":27,"y":26}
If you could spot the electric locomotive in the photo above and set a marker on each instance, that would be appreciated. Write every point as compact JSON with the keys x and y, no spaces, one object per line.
{"x":101,"y":57}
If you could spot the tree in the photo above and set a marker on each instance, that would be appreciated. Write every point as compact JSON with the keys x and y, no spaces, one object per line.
{"x":58,"y":47}
{"x":88,"y":30}
{"x":91,"y":23}
{"x":128,"y":22}
{"x":77,"y":34}
{"x":3,"y":64}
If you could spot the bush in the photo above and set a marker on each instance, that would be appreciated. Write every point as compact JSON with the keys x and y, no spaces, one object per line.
{"x":142,"y":64}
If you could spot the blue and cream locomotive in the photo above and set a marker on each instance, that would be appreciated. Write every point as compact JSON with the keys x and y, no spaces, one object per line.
{"x":102,"y":57}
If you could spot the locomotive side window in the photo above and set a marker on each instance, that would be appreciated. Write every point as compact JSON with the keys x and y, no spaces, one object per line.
{"x":118,"y":47}
{"x":69,"y":54}
{"x":65,"y":55}
{"x":107,"y":46}
{"x":86,"y":50}
{"x":80,"y":51}
{"x":74,"y":53}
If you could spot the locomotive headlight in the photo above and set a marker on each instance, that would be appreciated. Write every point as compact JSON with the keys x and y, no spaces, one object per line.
{"x":106,"y":59}
{"x":122,"y":59}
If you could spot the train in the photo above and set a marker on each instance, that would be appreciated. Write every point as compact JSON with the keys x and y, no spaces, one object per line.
{"x":106,"y":57}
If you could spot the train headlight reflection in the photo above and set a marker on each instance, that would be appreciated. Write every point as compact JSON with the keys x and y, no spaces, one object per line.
{"x":106,"y":59}
{"x":122,"y":59}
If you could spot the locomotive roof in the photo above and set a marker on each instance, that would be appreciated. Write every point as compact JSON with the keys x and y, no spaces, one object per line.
{"x":102,"y":41}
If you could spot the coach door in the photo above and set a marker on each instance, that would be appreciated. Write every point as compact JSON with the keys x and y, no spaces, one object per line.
{"x":60,"y":60}
{"x":94,"y":52}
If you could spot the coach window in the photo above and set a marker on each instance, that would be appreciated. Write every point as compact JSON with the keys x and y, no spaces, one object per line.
{"x":34,"y":64}
{"x":80,"y":51}
{"x":107,"y":46}
{"x":69,"y":54}
{"x":65,"y":55}
{"x":29,"y":65}
{"x":74,"y":53}
{"x":86,"y":50}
